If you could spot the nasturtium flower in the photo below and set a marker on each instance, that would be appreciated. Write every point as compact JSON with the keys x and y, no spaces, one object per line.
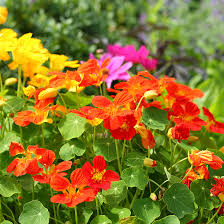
{"x":213,"y":125}
{"x":73,"y":193}
{"x":198,"y":158}
{"x":27,"y":164}
{"x":179,"y":132}
{"x":198,"y":172}
{"x":8,"y":42}
{"x":10,"y":81}
{"x":40,"y":81}
{"x":97,"y":175}
{"x":3,"y":14}
{"x":49,"y":169}
{"x":59,"y":62}
{"x":29,"y":91}
{"x":47,"y":93}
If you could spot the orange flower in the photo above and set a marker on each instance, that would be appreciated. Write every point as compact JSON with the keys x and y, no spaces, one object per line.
{"x":92,"y":73}
{"x":198,"y":158}
{"x":27,"y":164}
{"x":3,"y":14}
{"x":29,"y":91}
{"x":50,"y":170}
{"x":73,"y":193}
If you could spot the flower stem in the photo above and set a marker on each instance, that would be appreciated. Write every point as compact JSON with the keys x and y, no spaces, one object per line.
{"x":54,"y":210}
{"x":42,"y":134}
{"x":210,"y":220}
{"x":135,"y":196}
{"x":76,"y":215}
{"x":187,"y":173}
{"x":97,"y":206}
{"x":62,"y":99}
{"x":118,"y":159}
{"x":19,"y":80}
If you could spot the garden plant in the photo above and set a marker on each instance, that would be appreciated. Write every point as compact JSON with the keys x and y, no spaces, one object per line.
{"x":107,"y":139}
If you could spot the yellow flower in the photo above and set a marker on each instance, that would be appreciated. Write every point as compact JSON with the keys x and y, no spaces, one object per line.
{"x":47,"y":93}
{"x":8,"y":43}
{"x":29,"y":91}
{"x":30,"y":54}
{"x":59,"y":62}
{"x":3,"y":14}
{"x":40,"y":81}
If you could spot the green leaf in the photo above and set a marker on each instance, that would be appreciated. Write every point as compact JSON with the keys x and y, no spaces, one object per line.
{"x":201,"y":190}
{"x":116,"y":193}
{"x":101,"y":219}
{"x":8,"y":186}
{"x":6,"y":222}
{"x":179,"y":200}
{"x":6,"y":141}
{"x":14,"y":104}
{"x":135,"y":177}
{"x":26,"y":182}
{"x":106,"y":148}
{"x":155,"y":118}
{"x":34,"y":212}
{"x":71,"y":149}
{"x":72,"y":126}
{"x":170,"y":219}
{"x":134,"y":159}
{"x":221,"y":220}
{"x":118,"y":213}
{"x":146,"y":210}
{"x":85,"y":214}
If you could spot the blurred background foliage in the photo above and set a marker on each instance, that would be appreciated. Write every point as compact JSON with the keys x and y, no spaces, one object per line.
{"x":186,"y":36}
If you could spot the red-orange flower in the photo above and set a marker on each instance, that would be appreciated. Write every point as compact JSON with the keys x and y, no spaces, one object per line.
{"x":97,"y":175}
{"x":73,"y":193}
{"x":179,"y":132}
{"x":212,"y":124}
{"x":93,"y":73}
{"x":187,"y":113}
{"x":27,"y":164}
{"x":199,"y":172}
{"x":198,"y":158}
{"x":50,"y":170}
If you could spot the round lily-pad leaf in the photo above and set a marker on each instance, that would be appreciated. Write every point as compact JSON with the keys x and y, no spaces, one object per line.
{"x":179,"y":200}
{"x":6,"y":141}
{"x":116,"y":193}
{"x":170,"y":219}
{"x":8,"y":186}
{"x":72,"y":126}
{"x":146,"y":210}
{"x":101,"y":219}
{"x":201,"y":190}
{"x":221,"y":220}
{"x":34,"y":212}
{"x":105,"y":148}
{"x":155,"y":118}
{"x":118,"y":213}
{"x":135,"y":177}
{"x":134,"y":159}
{"x":71,"y":149}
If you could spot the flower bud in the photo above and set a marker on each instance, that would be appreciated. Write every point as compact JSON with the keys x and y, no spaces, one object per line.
{"x":221,"y":197}
{"x":151,"y":94}
{"x":29,"y":91}
{"x":149,"y":162}
{"x":222,"y":149}
{"x":47,"y":93}
{"x":169,"y":133}
{"x":153,"y":196}
{"x":10,"y":81}
{"x":2,"y":101}
{"x":192,"y":139}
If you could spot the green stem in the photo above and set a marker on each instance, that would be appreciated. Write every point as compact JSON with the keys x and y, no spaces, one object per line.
{"x":56,"y":220}
{"x":123,"y":152}
{"x":76,"y":215}
{"x":101,"y":92}
{"x":12,"y":214}
{"x":1,"y":85}
{"x":209,"y":221}
{"x":42,"y":134}
{"x":54,"y":210}
{"x":160,"y":186}
{"x":62,"y":99}
{"x":178,"y":163}
{"x":118,"y":159}
{"x":97,"y":206}
{"x":19,"y":80}
{"x":139,"y":103}
{"x":1,"y":215}
{"x":135,"y":196}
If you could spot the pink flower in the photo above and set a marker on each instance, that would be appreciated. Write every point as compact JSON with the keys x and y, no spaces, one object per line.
{"x":116,"y":69}
{"x":137,"y":57}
